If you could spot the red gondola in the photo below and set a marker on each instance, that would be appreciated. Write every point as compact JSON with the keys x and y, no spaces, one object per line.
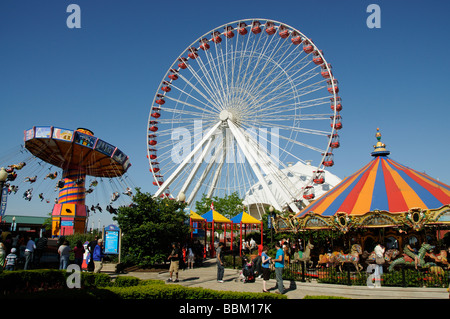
{"x":242,"y":28}
{"x":283,"y":31}
{"x":333,"y":85}
{"x":204,"y":44}
{"x":270,"y":28}
{"x":317,"y":59}
{"x":256,"y":27}
{"x":229,"y":31}
{"x":308,"y":193}
{"x":334,"y":143}
{"x":337,"y":120}
{"x":157,"y":183}
{"x":174,"y":75}
{"x":328,"y":160}
{"x":156,"y":112}
{"x":182,"y":64}
{"x":308,"y":47}
{"x":326,"y":70}
{"x":216,"y":37}
{"x":166,"y":89}
{"x":319,"y":178}
{"x":193,"y":53}
{"x":338,"y":106}
{"x":296,"y":38}
{"x":152,"y":152}
{"x":153,"y":126}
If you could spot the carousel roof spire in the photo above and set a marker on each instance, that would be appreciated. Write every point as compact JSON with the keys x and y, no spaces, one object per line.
{"x":379,"y":148}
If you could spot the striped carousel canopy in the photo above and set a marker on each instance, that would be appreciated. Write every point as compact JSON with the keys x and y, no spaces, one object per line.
{"x":383,"y":185}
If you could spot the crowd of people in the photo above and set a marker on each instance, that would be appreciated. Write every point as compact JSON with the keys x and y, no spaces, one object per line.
{"x":20,"y":251}
{"x":262,"y":265}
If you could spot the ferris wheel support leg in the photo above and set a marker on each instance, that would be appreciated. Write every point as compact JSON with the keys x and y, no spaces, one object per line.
{"x":242,"y":144}
{"x":213,"y":185}
{"x":186,"y":160}
{"x":202,"y":178}
{"x":197,"y":165}
{"x":280,"y":179}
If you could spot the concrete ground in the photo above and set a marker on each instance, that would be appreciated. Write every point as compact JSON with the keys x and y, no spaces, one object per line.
{"x":206,"y":277}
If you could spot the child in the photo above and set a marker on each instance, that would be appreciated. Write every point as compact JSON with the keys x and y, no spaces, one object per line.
{"x":11,"y":260}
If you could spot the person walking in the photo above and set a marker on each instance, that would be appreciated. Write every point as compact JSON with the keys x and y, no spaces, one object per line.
{"x":379,"y":259}
{"x":79,"y":252}
{"x":279,"y":266}
{"x":220,"y":266}
{"x":2,"y":255}
{"x":64,"y":253}
{"x":190,"y":257}
{"x":40,"y":247}
{"x":11,"y":260}
{"x":98,"y":256}
{"x":29,"y":250}
{"x":174,"y":258}
{"x":265,"y":265}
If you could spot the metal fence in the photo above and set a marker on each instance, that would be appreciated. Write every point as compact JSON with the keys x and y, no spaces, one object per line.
{"x":400,"y":277}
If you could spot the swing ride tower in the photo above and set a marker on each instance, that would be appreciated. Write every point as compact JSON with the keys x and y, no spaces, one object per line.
{"x":78,"y":153}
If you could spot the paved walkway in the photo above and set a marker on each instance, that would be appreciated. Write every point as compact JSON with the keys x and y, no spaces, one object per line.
{"x":206,"y":277}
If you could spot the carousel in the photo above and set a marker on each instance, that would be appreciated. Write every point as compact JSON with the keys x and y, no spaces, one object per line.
{"x":383,"y":202}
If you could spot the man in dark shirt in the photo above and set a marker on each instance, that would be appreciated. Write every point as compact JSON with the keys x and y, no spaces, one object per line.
{"x":174,"y":258}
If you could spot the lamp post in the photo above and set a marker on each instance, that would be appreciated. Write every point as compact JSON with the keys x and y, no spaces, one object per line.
{"x":271,"y":209}
{"x":3,"y":177}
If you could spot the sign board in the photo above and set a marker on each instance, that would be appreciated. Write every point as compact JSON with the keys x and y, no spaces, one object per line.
{"x":111,"y":239}
{"x":4,"y":201}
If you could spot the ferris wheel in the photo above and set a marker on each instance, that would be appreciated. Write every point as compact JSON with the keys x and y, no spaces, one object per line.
{"x":236,"y":106}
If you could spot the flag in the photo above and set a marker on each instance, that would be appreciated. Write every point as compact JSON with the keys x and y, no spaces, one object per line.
{"x":212,"y":206}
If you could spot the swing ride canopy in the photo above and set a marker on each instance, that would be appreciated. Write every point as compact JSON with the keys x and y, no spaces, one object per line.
{"x":383,"y":193}
{"x":76,"y":149}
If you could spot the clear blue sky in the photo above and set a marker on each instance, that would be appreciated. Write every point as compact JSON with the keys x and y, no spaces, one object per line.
{"x":104,"y":75}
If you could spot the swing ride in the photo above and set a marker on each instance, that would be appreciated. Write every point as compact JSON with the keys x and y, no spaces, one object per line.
{"x":80,"y":155}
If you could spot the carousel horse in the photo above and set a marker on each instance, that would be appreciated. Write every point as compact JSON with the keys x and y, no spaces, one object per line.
{"x":328,"y":259}
{"x":389,"y":255}
{"x":304,"y":256}
{"x":439,"y":258}
{"x":352,"y":257}
{"x":409,"y":260}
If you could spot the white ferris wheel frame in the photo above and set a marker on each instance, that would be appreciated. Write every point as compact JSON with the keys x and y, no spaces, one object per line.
{"x":257,"y":158}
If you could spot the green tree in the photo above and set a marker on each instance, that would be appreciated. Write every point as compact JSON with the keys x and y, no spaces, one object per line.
{"x":229,"y":206}
{"x":149,"y":226}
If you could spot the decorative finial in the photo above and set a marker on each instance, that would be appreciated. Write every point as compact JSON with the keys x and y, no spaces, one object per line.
{"x":379,"y":148}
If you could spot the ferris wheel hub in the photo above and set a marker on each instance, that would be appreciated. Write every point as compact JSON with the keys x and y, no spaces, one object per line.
{"x":225,"y":115}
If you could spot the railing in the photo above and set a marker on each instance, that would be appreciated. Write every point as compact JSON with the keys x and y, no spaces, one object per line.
{"x":401,"y":277}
